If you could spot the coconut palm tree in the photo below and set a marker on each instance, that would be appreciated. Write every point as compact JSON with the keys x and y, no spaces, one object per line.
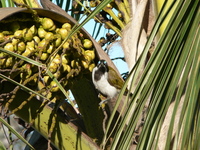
{"x":161,"y":48}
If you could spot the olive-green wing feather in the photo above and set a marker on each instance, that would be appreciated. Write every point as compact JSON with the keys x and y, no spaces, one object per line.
{"x":114,"y":79}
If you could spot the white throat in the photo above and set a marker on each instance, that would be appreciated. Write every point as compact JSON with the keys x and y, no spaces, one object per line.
{"x":104,"y":86}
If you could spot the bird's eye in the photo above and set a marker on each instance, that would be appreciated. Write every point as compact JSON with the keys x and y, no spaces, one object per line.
{"x":98,"y":63}
{"x":104,"y":62}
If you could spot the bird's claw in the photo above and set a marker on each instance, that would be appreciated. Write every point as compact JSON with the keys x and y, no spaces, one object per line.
{"x":103,"y":103}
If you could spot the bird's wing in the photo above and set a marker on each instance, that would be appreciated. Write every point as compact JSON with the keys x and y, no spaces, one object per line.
{"x":115,"y":80}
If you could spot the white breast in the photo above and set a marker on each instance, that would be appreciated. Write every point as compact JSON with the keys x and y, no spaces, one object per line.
{"x":104,"y":87}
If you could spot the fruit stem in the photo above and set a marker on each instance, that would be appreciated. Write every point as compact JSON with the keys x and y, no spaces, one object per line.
{"x":127,"y":6}
{"x":115,"y":29}
{"x":122,"y":9}
{"x":112,"y":14}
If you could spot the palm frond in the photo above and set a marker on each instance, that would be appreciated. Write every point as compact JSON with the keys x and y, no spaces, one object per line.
{"x":172,"y":70}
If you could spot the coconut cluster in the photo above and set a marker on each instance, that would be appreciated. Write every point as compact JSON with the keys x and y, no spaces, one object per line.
{"x":43,"y":41}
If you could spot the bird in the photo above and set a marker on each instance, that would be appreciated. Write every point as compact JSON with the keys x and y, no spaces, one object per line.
{"x":106,"y":80}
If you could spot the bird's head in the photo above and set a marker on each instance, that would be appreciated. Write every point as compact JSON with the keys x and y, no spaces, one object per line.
{"x":102,"y":66}
{"x":103,"y":70}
